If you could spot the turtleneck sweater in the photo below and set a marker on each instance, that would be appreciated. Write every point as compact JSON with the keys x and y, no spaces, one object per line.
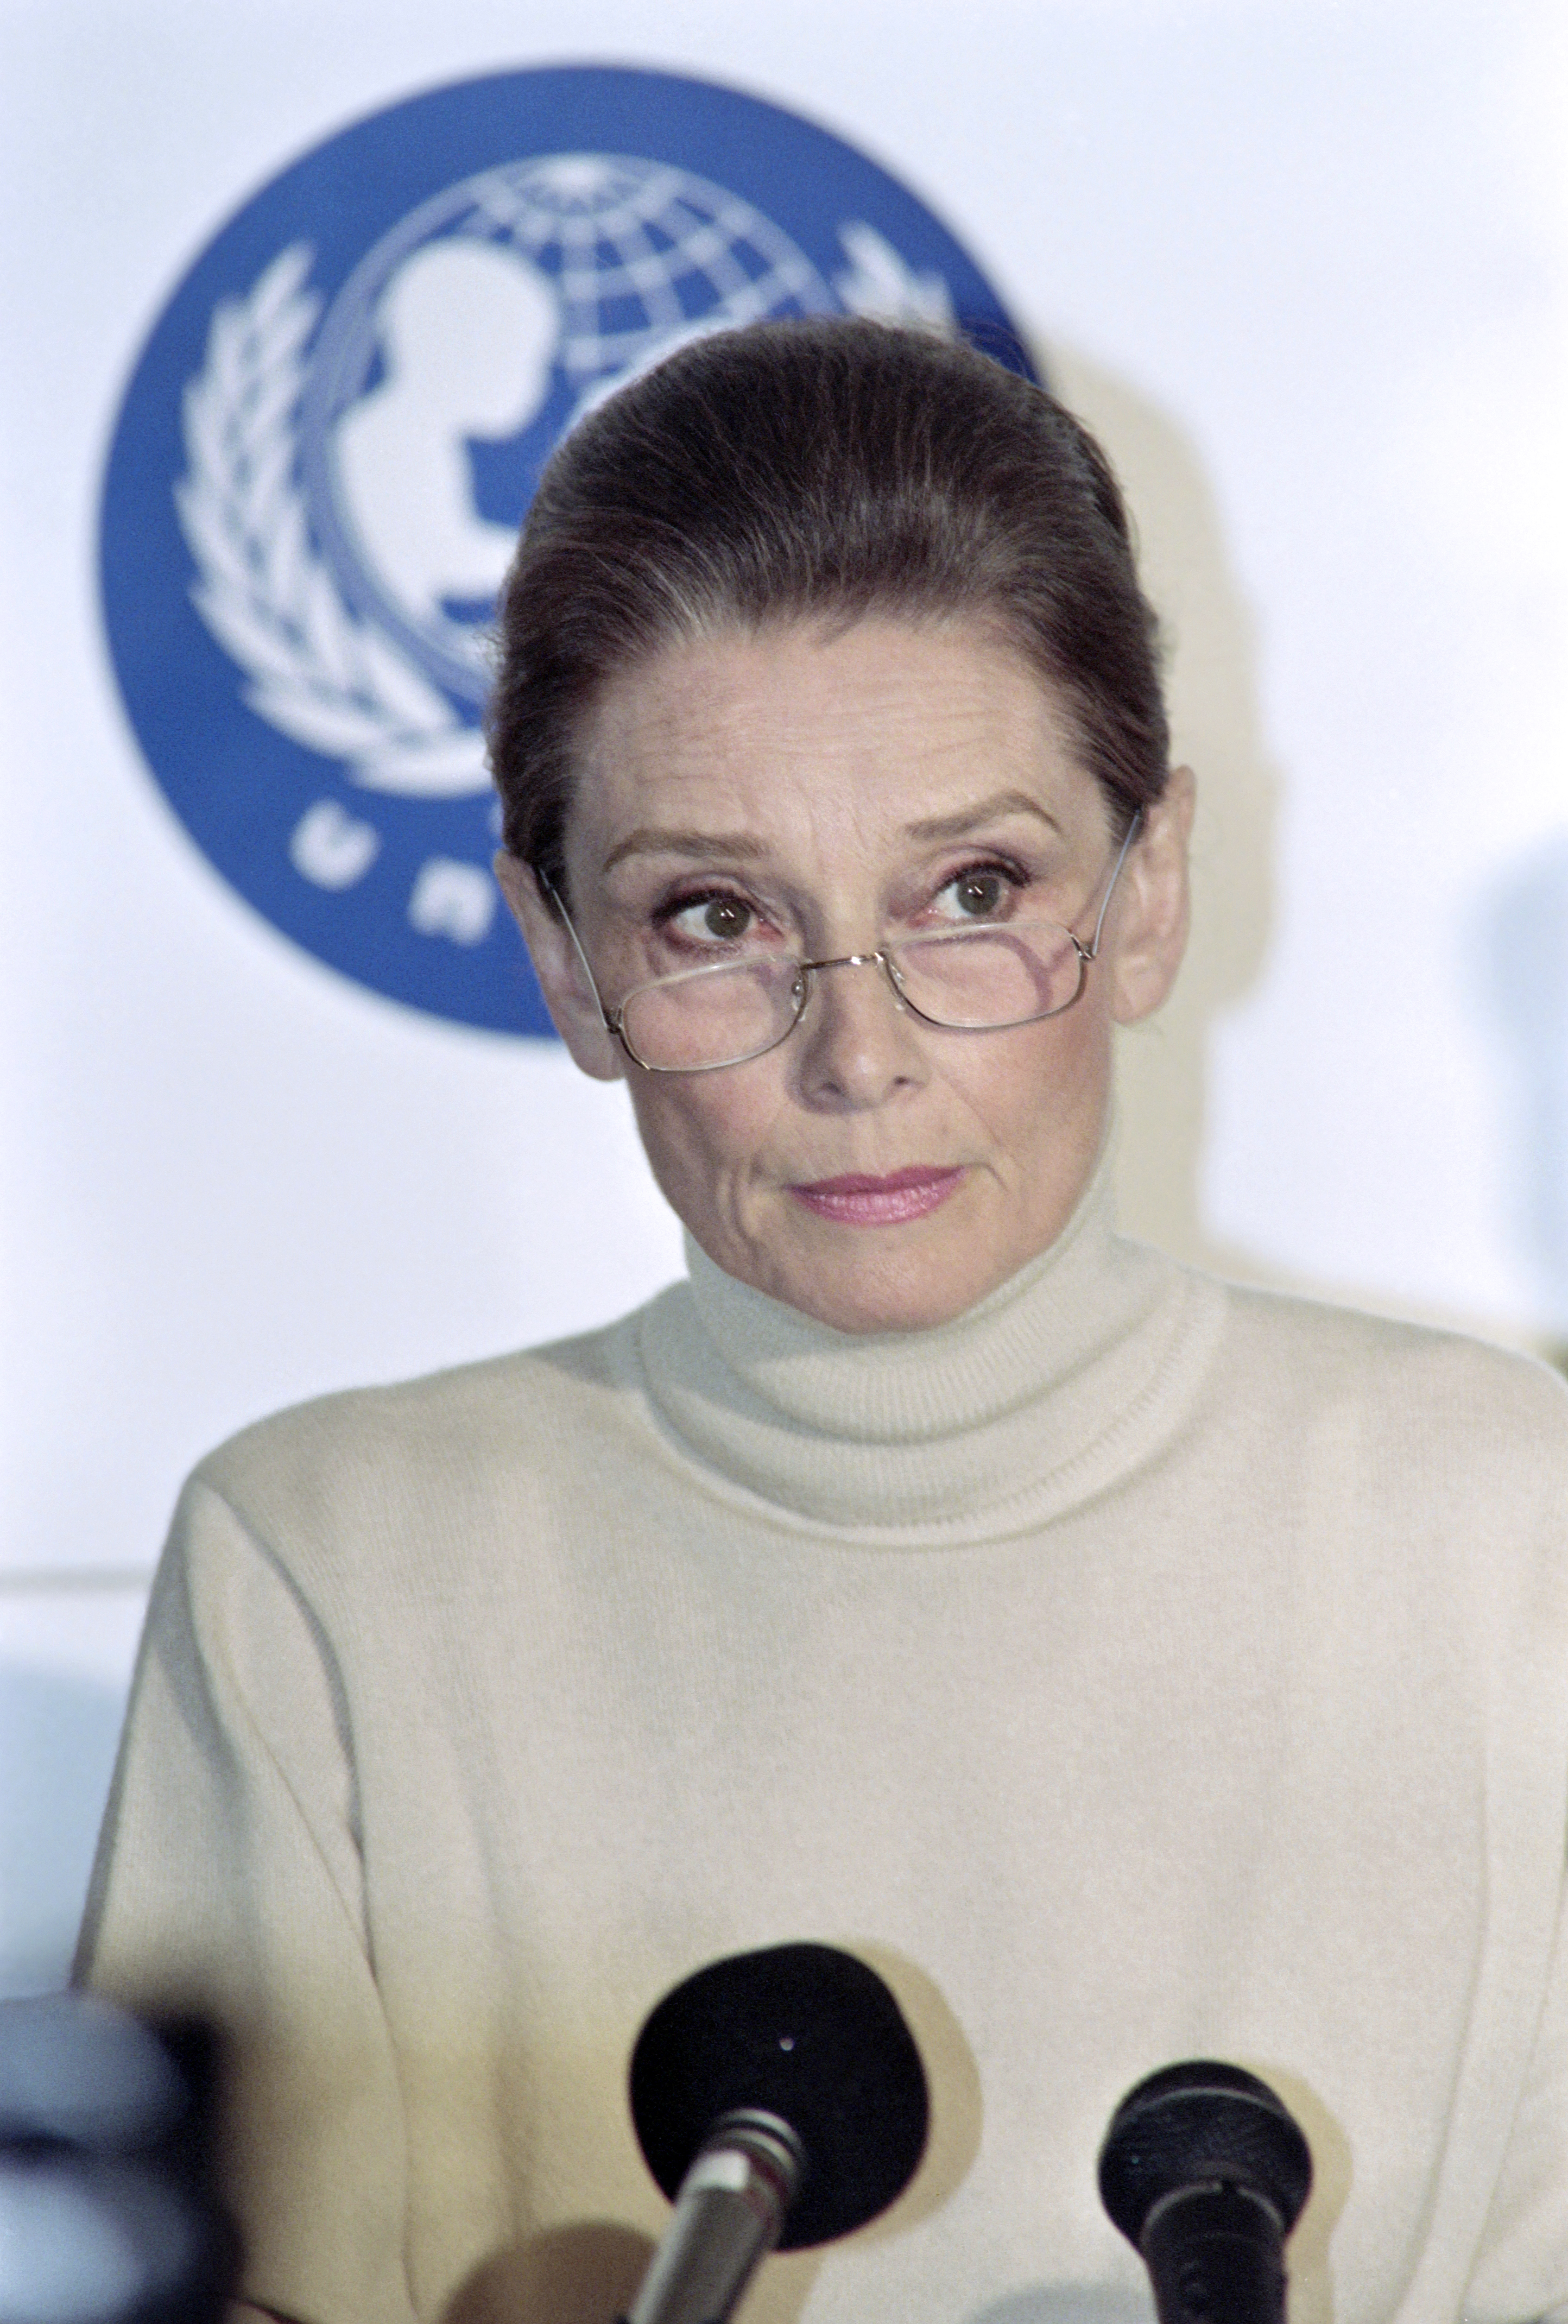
{"x":1032,"y":1400}
{"x":1133,"y":1669}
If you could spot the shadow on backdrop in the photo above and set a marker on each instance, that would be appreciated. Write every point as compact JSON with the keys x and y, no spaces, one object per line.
{"x":1524,"y":977}
{"x":58,"y":1737}
{"x":1211,"y":689}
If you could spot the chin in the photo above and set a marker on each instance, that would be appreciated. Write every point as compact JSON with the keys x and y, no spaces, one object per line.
{"x":884,"y":1291}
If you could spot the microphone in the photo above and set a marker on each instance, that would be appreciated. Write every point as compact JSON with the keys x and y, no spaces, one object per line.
{"x":1204,"y":2171}
{"x":779,"y":2101}
{"x":105,"y":2213}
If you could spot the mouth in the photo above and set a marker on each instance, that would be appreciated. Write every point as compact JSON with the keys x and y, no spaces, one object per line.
{"x":862,"y":1202}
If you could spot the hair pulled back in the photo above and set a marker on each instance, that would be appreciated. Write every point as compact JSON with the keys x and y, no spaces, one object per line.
{"x":823,"y":468}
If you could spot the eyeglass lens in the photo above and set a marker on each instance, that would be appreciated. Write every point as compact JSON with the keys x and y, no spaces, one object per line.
{"x":970,"y":980}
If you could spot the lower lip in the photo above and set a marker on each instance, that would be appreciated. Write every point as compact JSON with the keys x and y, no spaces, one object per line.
{"x":879,"y":1202}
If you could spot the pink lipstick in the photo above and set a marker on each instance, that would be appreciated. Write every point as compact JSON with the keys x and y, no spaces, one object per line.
{"x":862,"y":1201}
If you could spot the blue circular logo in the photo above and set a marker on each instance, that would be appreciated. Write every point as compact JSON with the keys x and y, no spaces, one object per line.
{"x":330,"y":439}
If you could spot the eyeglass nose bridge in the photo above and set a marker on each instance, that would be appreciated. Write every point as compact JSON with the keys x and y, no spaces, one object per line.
{"x":806,"y":970}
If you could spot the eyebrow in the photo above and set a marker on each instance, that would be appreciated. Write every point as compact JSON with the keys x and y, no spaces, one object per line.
{"x":713,"y":846}
{"x":968,"y":818}
{"x":706,"y":846}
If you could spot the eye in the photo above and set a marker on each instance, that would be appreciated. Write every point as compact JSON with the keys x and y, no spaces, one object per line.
{"x":718,"y":917}
{"x":983,"y":891}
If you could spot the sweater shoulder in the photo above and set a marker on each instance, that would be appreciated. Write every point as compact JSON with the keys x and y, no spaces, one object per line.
{"x":344,"y":1474}
{"x":1336,"y":1338}
{"x":1325,"y":1365}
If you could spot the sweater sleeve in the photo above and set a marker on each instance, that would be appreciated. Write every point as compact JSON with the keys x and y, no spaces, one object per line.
{"x":229,"y":1885}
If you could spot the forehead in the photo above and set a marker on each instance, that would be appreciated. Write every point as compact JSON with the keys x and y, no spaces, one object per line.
{"x":867,"y":729}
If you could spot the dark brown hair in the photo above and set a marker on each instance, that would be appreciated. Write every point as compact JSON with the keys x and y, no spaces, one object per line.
{"x":820,"y":468}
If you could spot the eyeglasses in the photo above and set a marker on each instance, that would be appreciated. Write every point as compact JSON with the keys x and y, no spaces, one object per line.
{"x":969,"y":979}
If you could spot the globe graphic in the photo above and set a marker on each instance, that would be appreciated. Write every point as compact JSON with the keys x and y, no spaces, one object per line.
{"x":640,"y":252}
{"x":615,"y":259}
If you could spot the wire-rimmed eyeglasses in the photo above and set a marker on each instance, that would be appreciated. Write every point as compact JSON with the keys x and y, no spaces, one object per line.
{"x":982,"y":979}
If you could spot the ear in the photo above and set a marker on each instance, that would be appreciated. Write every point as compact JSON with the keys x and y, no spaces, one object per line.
{"x":568,"y":994}
{"x":1150,"y":932}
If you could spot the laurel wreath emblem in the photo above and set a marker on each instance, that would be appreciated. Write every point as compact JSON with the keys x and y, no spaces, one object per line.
{"x":314,"y":670}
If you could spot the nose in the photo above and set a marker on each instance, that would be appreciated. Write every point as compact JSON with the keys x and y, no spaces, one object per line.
{"x":858,"y":1044}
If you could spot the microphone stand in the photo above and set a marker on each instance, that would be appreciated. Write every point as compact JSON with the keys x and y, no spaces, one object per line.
{"x":729,"y":2214}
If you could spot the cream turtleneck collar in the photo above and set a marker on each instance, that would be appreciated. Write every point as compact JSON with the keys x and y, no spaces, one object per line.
{"x":1058,"y":1382}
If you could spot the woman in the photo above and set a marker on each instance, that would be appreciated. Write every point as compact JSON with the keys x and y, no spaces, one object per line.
{"x":1134,"y":1667}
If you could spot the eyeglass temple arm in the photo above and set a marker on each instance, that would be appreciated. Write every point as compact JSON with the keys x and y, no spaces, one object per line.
{"x":1093,"y":951}
{"x":611,"y":1022}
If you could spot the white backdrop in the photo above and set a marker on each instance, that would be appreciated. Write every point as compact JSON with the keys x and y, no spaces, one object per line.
{"x":1305,"y":264}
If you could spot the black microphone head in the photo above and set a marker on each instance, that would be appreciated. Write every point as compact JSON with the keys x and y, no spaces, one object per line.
{"x":1201,"y":2123}
{"x":804,"y":2031}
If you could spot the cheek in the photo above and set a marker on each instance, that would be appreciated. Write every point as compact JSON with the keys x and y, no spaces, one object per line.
{"x":703,"y":1129}
{"x":1037,"y":1087}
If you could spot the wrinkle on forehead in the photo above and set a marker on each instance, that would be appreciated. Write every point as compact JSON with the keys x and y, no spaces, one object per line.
{"x":709,"y":741}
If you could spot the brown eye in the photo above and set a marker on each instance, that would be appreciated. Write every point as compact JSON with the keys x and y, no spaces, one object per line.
{"x":726,"y":917}
{"x":978,"y":894}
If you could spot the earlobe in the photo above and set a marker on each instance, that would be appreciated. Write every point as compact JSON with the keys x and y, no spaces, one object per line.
{"x":1152,"y":922}
{"x":568,"y":994}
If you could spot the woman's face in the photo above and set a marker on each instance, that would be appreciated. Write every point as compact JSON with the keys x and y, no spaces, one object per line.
{"x":820,"y":793}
